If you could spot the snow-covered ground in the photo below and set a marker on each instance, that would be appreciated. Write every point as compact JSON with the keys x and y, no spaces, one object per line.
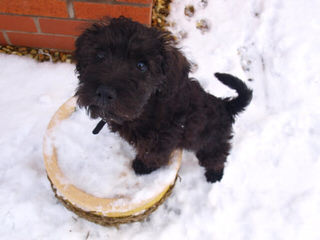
{"x":271,"y":186}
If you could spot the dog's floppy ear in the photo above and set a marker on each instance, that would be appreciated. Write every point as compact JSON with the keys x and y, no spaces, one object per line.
{"x":77,"y":53}
{"x":84,"y":44}
{"x":83,"y":49}
{"x":174,"y":65}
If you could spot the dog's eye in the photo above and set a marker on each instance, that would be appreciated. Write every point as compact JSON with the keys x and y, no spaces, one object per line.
{"x":100,"y":55}
{"x":142,"y":66}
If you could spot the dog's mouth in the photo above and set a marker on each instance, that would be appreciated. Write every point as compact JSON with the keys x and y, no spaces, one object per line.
{"x":110,"y":117}
{"x":107,"y":114}
{"x":116,"y":111}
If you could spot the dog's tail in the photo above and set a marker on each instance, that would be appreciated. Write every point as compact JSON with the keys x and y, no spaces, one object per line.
{"x":238,"y":104}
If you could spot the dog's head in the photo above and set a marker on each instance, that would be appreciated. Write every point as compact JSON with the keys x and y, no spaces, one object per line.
{"x":123,"y":64}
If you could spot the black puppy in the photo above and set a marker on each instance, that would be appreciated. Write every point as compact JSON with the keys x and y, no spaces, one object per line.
{"x":136,"y":80}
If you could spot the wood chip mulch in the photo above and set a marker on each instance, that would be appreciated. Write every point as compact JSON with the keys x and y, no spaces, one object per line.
{"x":38,"y":54}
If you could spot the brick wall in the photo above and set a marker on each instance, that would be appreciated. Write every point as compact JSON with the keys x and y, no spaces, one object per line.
{"x":56,"y":23}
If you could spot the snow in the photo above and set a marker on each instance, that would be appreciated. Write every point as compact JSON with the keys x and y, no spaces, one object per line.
{"x":270,"y":189}
{"x":100,"y":164}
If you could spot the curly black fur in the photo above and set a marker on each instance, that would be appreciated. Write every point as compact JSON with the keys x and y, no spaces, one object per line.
{"x":135,"y":79}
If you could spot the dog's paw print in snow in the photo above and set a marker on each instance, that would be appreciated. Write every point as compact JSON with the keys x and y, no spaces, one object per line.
{"x":189,"y":11}
{"x":244,"y":59}
{"x":203,"y":25}
{"x":203,"y":3}
{"x":251,"y":60}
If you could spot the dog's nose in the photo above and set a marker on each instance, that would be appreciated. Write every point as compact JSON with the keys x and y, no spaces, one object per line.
{"x":106,"y":94}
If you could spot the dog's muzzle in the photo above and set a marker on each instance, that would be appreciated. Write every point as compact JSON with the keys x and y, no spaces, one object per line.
{"x":105,"y":95}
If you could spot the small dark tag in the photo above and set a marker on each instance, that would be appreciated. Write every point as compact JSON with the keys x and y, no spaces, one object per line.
{"x":99,"y":126}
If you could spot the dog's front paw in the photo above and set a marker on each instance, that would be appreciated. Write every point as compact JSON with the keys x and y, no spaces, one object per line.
{"x":213,"y":176}
{"x":140,"y":168}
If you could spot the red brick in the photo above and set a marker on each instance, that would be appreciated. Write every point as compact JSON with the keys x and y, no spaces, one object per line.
{"x":41,"y":40}
{"x":136,"y":1}
{"x":84,"y":10}
{"x":52,"y":8}
{"x":2,"y":39}
{"x":62,"y":26}
{"x":17,"y":23}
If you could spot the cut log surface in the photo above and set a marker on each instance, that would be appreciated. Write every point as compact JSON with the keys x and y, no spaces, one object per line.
{"x":92,"y":175}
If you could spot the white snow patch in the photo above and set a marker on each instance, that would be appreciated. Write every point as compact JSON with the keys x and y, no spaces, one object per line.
{"x":100,"y":164}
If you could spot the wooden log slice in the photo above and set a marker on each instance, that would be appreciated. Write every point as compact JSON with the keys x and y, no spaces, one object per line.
{"x":102,"y":210}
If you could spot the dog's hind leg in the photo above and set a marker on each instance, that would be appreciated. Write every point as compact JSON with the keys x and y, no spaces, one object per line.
{"x":212,"y":157}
